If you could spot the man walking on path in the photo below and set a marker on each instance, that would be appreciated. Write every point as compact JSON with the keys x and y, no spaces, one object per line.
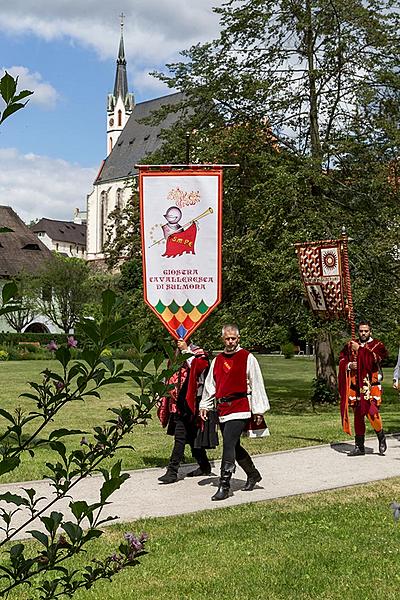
{"x":235,"y":384}
{"x":180,"y":410}
{"x":360,"y":386}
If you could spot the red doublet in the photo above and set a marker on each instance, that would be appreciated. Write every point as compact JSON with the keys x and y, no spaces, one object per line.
{"x":230,"y":376}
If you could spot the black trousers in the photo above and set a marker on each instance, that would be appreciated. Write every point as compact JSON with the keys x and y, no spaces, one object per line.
{"x":185,"y":433}
{"x":232,"y":449}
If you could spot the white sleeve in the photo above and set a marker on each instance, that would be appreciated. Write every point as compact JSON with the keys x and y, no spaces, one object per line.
{"x":207,"y":399}
{"x":259,"y":402}
{"x":396,"y":372}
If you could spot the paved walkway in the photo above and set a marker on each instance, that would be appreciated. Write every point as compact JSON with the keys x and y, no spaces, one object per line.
{"x":286,"y":473}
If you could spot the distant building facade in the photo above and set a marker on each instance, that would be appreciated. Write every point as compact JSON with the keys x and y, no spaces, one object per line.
{"x":65,"y":237}
{"x":21,"y":251}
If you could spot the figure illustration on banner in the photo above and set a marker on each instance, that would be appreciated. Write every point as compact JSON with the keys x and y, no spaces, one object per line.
{"x":179,"y":239}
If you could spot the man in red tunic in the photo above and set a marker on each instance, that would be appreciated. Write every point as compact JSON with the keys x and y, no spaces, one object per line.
{"x":360,"y":387}
{"x":235,"y":384}
{"x":179,"y":411}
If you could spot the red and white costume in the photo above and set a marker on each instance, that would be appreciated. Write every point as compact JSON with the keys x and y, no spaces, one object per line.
{"x":237,"y":378}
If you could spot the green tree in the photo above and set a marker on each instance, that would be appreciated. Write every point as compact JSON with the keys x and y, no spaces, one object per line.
{"x":26,"y":307}
{"x":319,"y":81}
{"x":65,"y":285}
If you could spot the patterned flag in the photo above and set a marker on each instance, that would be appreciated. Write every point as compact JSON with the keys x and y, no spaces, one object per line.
{"x":322,"y":274}
{"x":181,"y":225}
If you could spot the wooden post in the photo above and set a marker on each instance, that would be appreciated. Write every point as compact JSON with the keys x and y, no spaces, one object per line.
{"x":348,"y":284}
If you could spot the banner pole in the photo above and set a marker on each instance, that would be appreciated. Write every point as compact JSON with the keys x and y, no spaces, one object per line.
{"x":348,"y":283}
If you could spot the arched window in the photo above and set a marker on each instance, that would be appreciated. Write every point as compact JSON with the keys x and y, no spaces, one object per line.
{"x":110,"y":146}
{"x":120,"y":118}
{"x":102,"y":219}
{"x":118,"y":200}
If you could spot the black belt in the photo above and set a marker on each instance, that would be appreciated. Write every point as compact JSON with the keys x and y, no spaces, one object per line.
{"x":231,"y":397}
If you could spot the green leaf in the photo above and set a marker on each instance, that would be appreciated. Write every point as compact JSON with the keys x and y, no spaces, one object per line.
{"x":8,"y":86}
{"x":73,"y":531}
{"x":40,"y":537}
{"x":7,"y":416}
{"x":63,"y":355}
{"x":9,"y":464}
{"x":58,"y":433}
{"x":12,"y":108}
{"x":14,"y":499}
{"x":108,"y":301}
{"x":10,"y":290}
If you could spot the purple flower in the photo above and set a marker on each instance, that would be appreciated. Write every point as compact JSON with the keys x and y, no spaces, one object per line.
{"x":60,"y":385}
{"x":52,"y":346}
{"x":72,"y":342}
{"x":84,"y":441}
{"x":143,"y":537}
{"x":133,"y":541}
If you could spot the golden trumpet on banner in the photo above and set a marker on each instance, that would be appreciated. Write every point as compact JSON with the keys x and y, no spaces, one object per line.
{"x":209,"y":211}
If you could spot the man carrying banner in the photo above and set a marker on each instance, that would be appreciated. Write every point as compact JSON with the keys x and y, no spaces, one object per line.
{"x":180,"y":409}
{"x":234,"y":382}
{"x":360,"y":387}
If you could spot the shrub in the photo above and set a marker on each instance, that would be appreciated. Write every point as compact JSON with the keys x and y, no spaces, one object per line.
{"x":3,"y":355}
{"x":288,"y":349}
{"x":322,"y":394}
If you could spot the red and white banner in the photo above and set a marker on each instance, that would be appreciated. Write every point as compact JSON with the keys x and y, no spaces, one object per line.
{"x":181,"y":225}
{"x":322,"y":273}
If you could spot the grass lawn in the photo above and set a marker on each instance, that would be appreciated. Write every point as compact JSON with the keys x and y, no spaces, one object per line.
{"x":336,"y":545}
{"x":291,"y":420}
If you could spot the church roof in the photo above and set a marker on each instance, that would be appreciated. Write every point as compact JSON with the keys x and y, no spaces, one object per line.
{"x":137,"y":139}
{"x":20,"y":249}
{"x":62,"y":231}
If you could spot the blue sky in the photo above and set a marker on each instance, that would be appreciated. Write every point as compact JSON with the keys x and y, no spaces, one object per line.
{"x":65,"y":51}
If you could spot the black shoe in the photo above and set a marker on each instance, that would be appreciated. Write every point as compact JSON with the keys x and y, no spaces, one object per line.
{"x":224,"y":482}
{"x":356,"y":452}
{"x":169,"y":477}
{"x":251,"y":482}
{"x":222,"y":493}
{"x":382,"y":442}
{"x":199,"y":472}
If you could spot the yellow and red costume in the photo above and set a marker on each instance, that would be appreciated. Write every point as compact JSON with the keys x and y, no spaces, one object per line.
{"x":361,"y":388}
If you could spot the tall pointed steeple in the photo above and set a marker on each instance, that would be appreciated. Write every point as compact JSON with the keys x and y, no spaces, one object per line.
{"x":121,"y":103}
{"x":121,"y":80}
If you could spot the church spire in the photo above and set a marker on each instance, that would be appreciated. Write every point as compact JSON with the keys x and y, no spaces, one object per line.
{"x":120,"y":103}
{"x":121,"y":80}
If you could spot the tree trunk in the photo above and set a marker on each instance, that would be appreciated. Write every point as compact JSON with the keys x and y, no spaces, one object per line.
{"x":325,"y":361}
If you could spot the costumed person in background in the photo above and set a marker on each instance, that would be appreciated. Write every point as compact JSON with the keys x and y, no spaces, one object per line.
{"x":179,"y":410}
{"x":235,"y":384}
{"x":360,"y":386}
{"x":396,"y":373}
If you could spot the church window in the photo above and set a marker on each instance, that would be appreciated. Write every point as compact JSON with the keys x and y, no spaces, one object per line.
{"x":120,"y":118}
{"x":110,"y":145}
{"x":118,"y":202}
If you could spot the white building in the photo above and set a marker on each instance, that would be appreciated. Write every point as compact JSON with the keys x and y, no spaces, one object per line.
{"x":65,"y":237}
{"x":128,"y":141}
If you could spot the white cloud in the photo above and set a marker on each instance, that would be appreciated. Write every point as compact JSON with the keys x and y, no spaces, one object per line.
{"x":45,"y":94}
{"x":154,"y":29}
{"x":39,"y":186}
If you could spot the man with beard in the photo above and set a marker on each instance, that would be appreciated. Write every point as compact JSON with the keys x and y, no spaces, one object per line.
{"x":235,"y":384}
{"x":360,"y":386}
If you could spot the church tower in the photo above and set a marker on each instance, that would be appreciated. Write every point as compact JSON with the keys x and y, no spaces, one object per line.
{"x":121,"y":103}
